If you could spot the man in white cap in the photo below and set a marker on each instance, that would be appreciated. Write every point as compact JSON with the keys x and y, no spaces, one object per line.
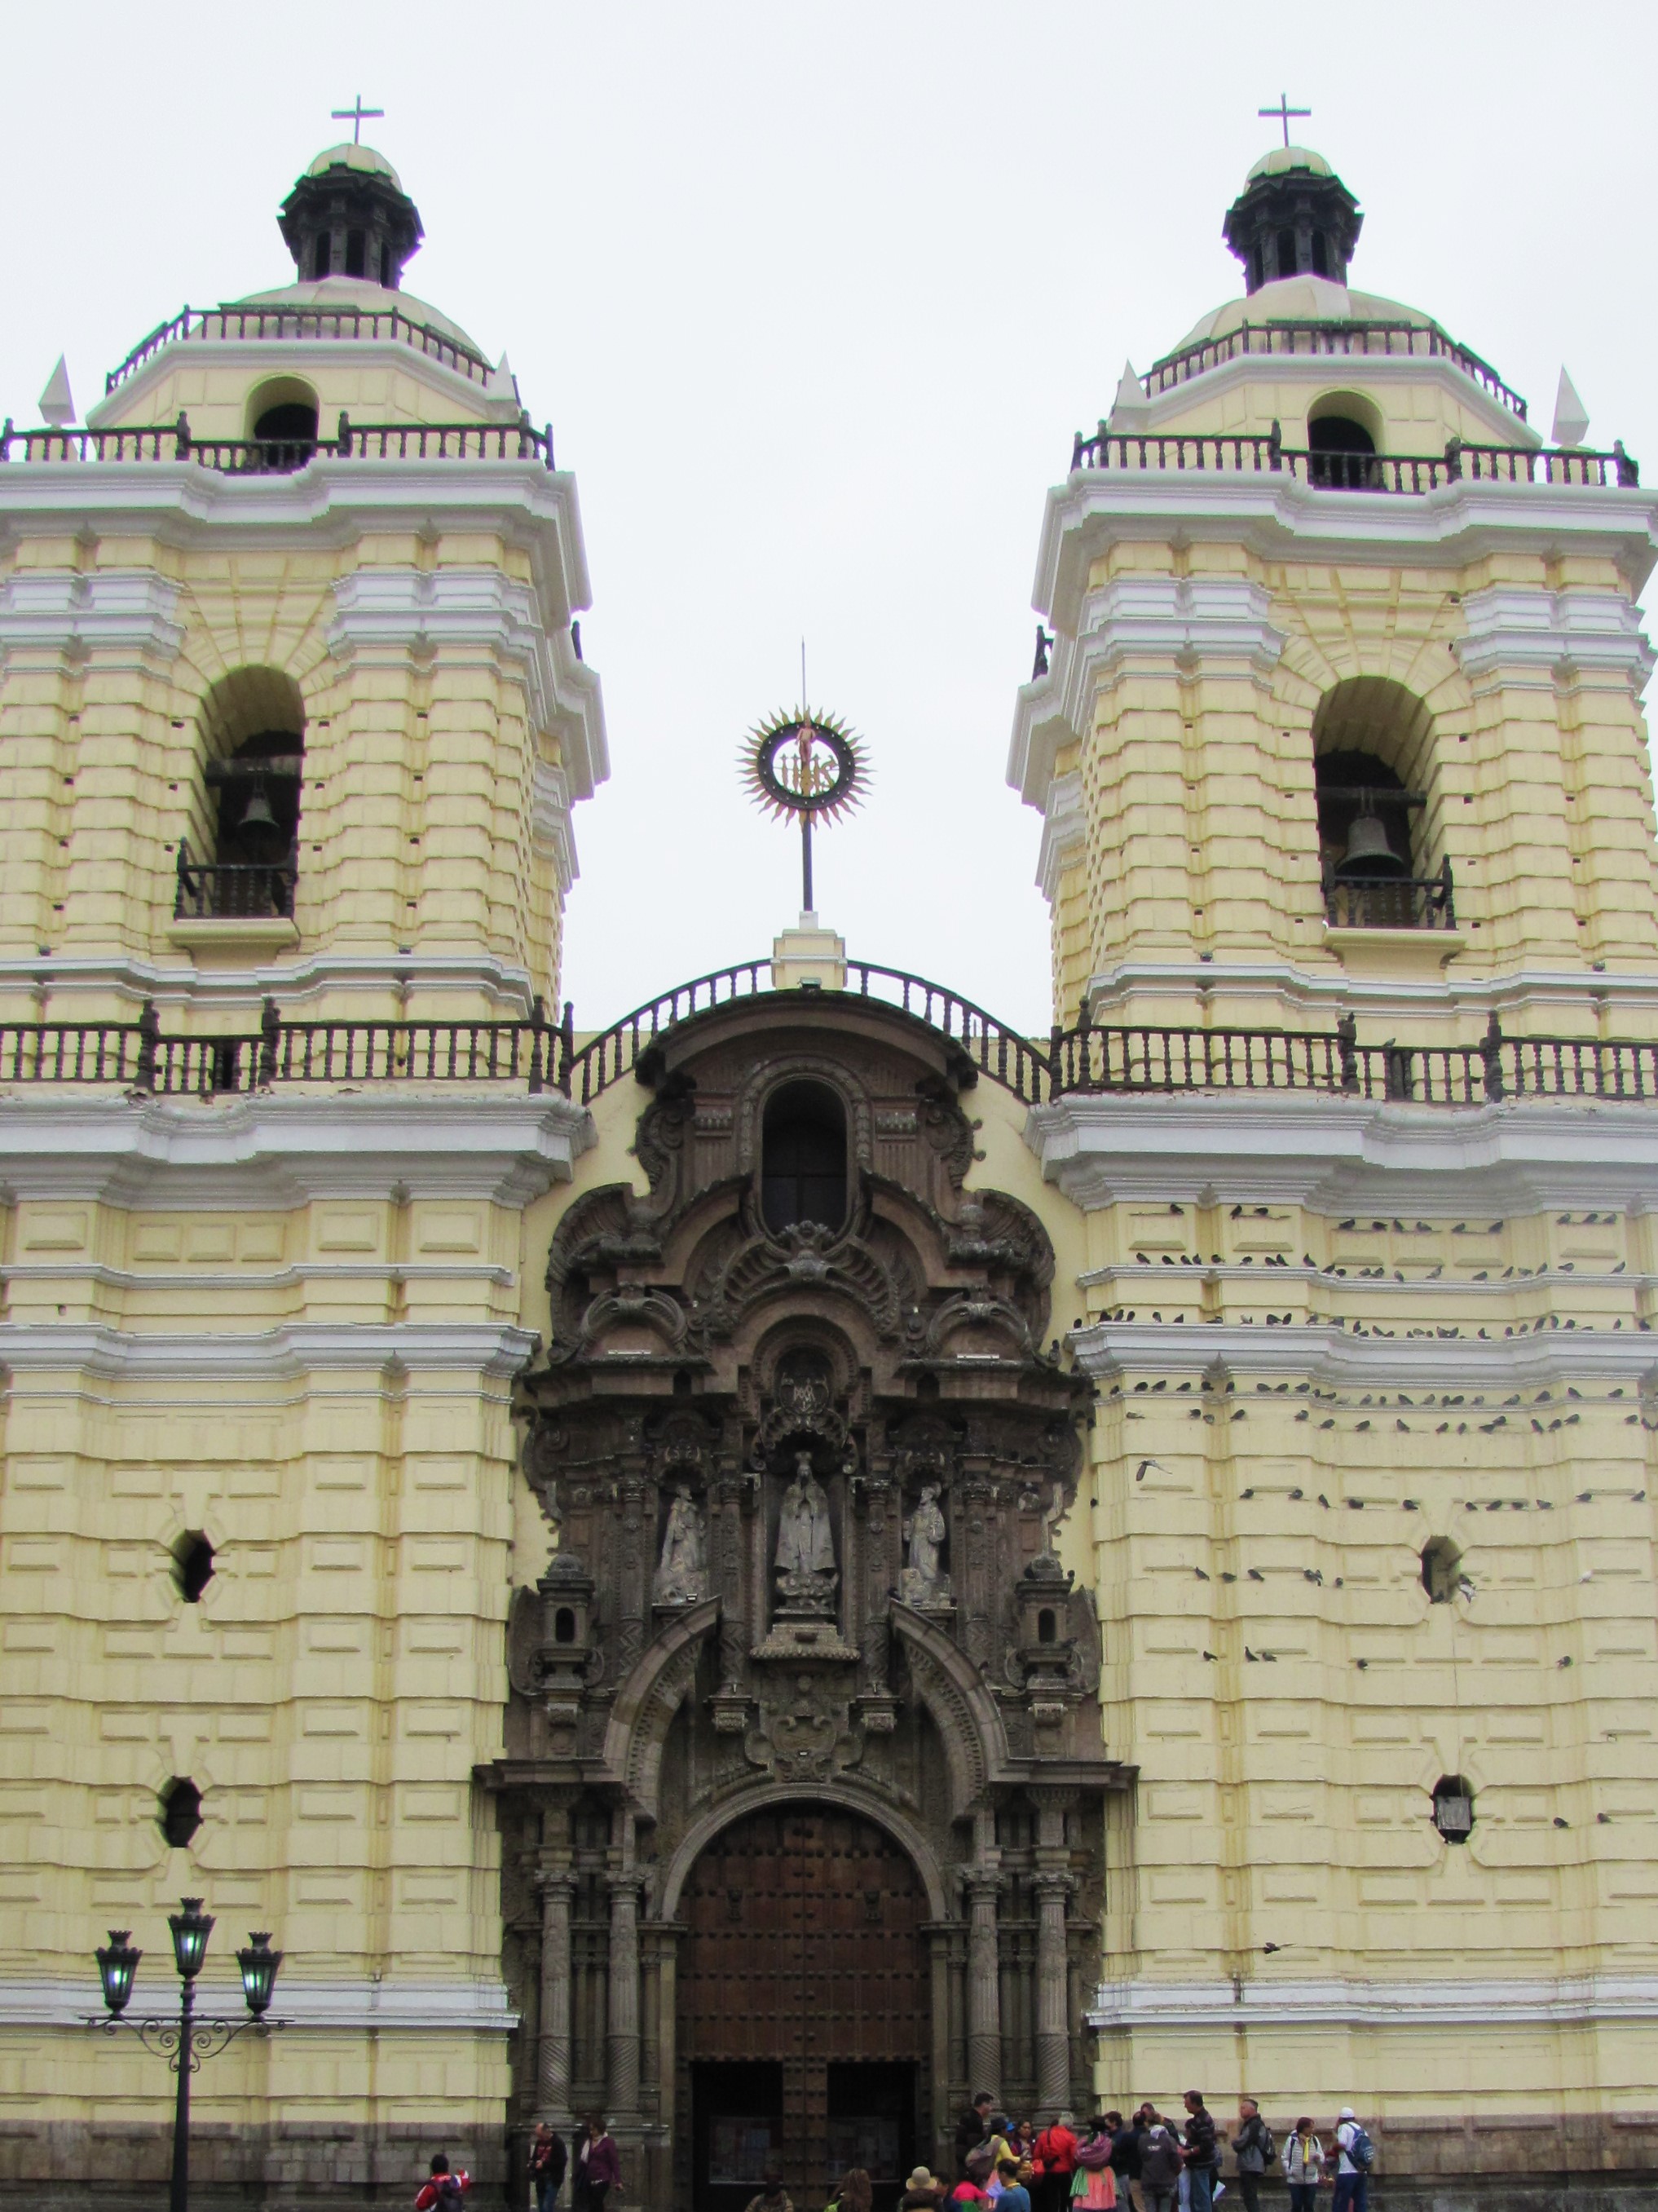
{"x":1353,"y":2155}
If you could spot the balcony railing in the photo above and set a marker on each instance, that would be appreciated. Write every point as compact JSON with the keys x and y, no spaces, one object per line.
{"x":1089,"y":1059}
{"x":1389,"y":340}
{"x":1383,"y":903}
{"x":233,"y":891}
{"x":350,"y":323}
{"x":354,"y":441}
{"x":1379,"y":472}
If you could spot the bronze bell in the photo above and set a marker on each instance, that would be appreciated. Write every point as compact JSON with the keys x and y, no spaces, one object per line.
{"x":258,"y":817}
{"x":1368,"y":855}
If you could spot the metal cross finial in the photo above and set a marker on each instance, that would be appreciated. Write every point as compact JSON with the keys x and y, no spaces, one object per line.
{"x":1284,"y":112}
{"x":356,"y":115}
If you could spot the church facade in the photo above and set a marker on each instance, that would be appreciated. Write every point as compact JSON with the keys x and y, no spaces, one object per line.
{"x":763,"y":1569}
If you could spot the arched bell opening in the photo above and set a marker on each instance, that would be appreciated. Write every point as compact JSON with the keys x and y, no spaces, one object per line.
{"x":246,"y":822}
{"x":1343,"y":436}
{"x":281,"y":419}
{"x":1372,"y":762}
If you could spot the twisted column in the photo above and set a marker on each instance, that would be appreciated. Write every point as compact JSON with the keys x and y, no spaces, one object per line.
{"x":1053,"y":1994}
{"x":553,"y":2054}
{"x":984,"y":1981}
{"x":622,"y":2075}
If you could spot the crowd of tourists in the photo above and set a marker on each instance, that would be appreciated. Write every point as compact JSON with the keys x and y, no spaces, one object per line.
{"x":1150,"y":2162}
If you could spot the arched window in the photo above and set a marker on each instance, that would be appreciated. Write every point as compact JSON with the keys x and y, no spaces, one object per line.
{"x":181,"y":1812}
{"x":355,"y":246}
{"x":241,"y":863}
{"x":1442,"y":1570}
{"x":1047,"y":1626}
{"x":1454,"y":1808}
{"x":1287,"y":262}
{"x":802,"y":1171}
{"x":564,"y":1625}
{"x":1320,"y":254}
{"x":323,"y":259}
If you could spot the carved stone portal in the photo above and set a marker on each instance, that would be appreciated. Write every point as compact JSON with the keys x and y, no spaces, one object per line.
{"x":804,"y":1473}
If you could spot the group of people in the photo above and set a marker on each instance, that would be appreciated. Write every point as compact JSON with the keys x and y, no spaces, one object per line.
{"x":1150,"y":2162}
{"x":594,"y":2168}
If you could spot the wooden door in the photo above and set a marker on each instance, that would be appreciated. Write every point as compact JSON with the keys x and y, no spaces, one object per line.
{"x":804,"y":1947}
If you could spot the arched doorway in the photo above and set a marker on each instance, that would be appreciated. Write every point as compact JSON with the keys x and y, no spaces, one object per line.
{"x":804,"y":2011}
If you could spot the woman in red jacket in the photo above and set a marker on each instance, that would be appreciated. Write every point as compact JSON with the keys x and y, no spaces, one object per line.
{"x":1054,"y":2158}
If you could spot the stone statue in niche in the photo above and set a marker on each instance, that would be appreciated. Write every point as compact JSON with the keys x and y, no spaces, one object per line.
{"x":681,"y":1574}
{"x":806,"y":1575}
{"x":923,"y":1581}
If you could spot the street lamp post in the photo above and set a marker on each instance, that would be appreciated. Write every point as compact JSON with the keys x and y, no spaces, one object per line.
{"x":185,"y":2044}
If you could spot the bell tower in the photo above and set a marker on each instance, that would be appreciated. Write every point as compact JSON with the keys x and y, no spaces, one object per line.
{"x":1342,"y":709}
{"x":290,"y":664}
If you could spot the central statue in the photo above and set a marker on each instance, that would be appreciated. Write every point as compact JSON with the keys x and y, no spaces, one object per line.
{"x":806,"y":1542}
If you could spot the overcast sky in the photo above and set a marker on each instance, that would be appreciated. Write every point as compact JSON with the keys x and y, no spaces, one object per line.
{"x":815,"y":297}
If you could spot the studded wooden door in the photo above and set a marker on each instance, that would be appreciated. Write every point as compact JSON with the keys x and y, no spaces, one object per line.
{"x":805,"y":1947}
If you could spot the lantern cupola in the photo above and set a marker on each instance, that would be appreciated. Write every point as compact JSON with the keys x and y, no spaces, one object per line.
{"x":348,"y":215}
{"x":1294,"y":217}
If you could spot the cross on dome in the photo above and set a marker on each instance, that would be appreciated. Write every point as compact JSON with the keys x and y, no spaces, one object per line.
{"x":1284,"y":112}
{"x":356,"y":115}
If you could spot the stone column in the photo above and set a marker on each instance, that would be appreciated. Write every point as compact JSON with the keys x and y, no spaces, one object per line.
{"x":984,"y":1983}
{"x":622,"y":2071}
{"x":553,"y":2059}
{"x":1053,"y":1994}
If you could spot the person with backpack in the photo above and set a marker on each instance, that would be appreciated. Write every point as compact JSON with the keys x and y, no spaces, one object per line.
{"x":1303,"y":2165}
{"x":444,"y":2191}
{"x":1094,"y":2184}
{"x":1054,"y":2163}
{"x":1355,"y":2155}
{"x":1256,"y":2151}
{"x":1160,"y":2167}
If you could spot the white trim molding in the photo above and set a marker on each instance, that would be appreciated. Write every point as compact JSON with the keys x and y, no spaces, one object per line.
{"x":1532,"y":639}
{"x":299,"y":981}
{"x":1065,"y":832}
{"x":442,"y":2007}
{"x":1334,"y":991}
{"x":1339,"y":1155}
{"x":283,"y":1150}
{"x":491,"y":1350}
{"x":549,"y":822}
{"x":1324,"y":1352}
{"x":1276,"y":516}
{"x":1457,"y":2001}
{"x":127,"y":616}
{"x":480,"y":612}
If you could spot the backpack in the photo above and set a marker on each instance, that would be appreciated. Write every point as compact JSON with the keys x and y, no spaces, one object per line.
{"x":1361,"y":2150}
{"x":1268,"y":2147}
